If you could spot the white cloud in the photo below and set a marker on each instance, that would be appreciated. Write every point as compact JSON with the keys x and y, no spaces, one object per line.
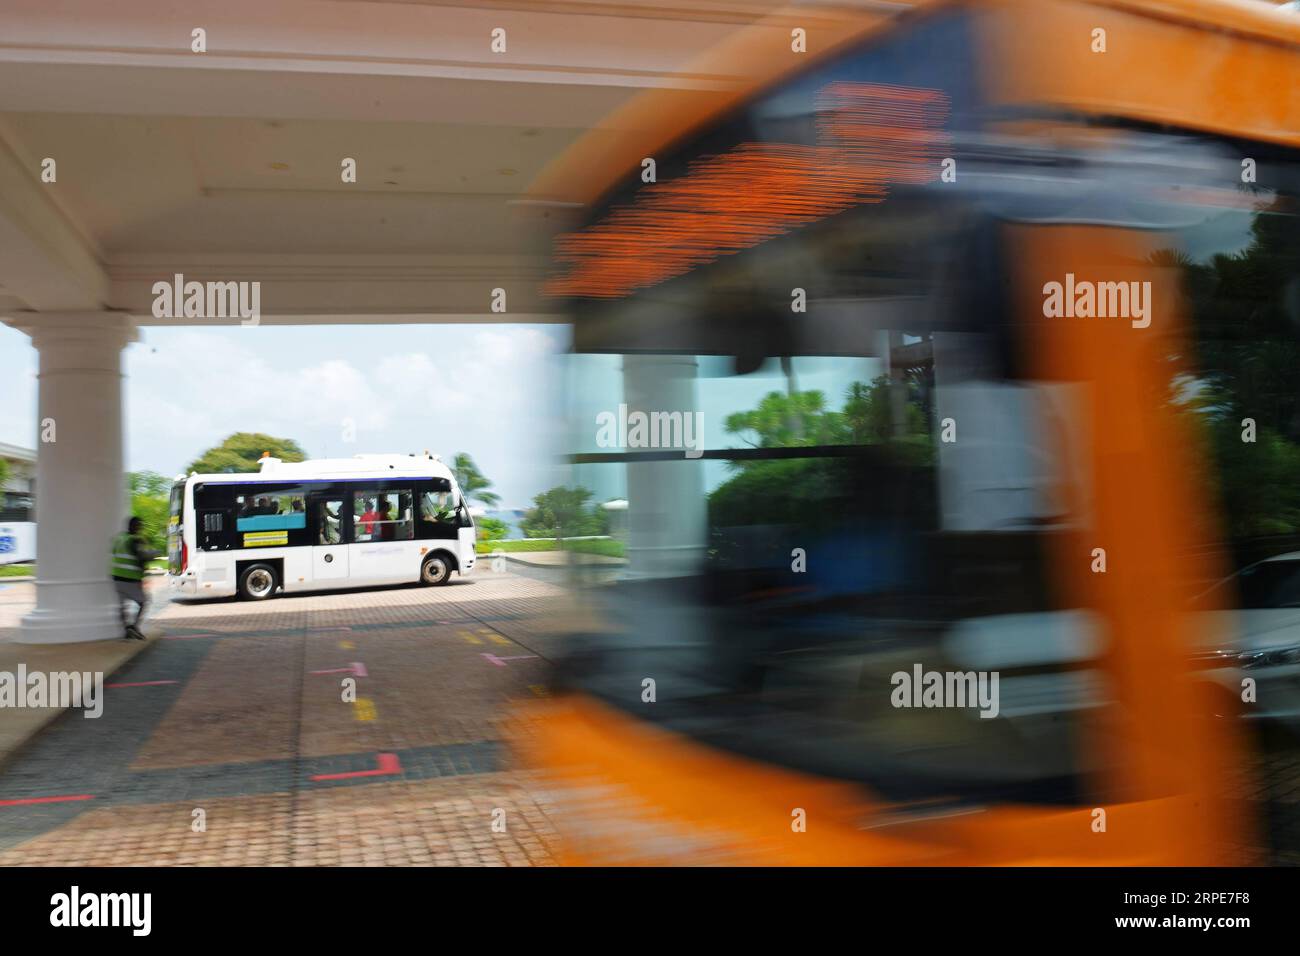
{"x":488,"y":392}
{"x":492,"y":392}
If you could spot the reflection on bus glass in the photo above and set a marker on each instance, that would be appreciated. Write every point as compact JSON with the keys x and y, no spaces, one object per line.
{"x":914,"y":472}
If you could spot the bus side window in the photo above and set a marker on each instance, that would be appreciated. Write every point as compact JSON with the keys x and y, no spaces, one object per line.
{"x":211,"y":529}
{"x":329,"y":525}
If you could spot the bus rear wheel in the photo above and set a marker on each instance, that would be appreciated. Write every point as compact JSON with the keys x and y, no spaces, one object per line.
{"x":435,"y":570}
{"x":257,"y":582}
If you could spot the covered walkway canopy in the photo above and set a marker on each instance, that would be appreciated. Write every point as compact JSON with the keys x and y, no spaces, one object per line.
{"x":144,"y":142}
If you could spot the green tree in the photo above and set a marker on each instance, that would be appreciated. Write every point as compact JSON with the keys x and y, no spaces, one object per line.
{"x":869,"y":417}
{"x":150,"y":493}
{"x":4,"y":472}
{"x":491,"y":529}
{"x":564,"y":513}
{"x":783,"y":420}
{"x":763,"y":489}
{"x":241,"y":451}
{"x":473,"y":484}
{"x":1241,"y":364}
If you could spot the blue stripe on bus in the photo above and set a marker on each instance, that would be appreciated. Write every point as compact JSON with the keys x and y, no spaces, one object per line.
{"x":287,"y":522}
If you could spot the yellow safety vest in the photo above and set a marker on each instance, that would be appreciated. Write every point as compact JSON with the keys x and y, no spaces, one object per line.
{"x":125,"y":564}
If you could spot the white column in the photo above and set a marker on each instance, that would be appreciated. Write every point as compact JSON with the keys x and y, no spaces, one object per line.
{"x":667,"y":511}
{"x":80,"y":484}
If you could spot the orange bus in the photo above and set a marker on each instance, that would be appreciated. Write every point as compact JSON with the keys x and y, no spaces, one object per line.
{"x":989,"y":313}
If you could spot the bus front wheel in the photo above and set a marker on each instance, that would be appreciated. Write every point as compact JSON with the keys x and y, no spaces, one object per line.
{"x":257,"y":582}
{"x":435,"y":570}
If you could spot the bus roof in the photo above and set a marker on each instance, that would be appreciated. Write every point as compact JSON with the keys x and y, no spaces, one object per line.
{"x":360,"y":467}
{"x":1250,"y":93}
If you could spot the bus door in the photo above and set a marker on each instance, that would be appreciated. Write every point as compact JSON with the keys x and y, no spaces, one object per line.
{"x":331,"y":529}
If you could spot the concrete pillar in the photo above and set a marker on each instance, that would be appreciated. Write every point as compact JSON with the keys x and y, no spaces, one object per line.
{"x":80,"y":484}
{"x":667,"y":511}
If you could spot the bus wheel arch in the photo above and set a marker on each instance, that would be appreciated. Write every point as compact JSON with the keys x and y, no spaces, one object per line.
{"x":436,"y":567}
{"x":259,"y":580}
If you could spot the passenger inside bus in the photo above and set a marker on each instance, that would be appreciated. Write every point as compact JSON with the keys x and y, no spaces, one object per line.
{"x":369,"y":518}
{"x":328,"y":533}
{"x":386,"y":528}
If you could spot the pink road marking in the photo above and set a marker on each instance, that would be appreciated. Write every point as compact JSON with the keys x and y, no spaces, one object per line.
{"x":29,"y":800}
{"x":143,"y":683}
{"x":356,"y":669}
{"x":386,"y":765}
{"x":501,"y":661}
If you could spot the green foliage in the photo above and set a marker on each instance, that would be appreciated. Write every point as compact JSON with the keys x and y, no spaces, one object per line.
{"x":4,"y":471}
{"x":150,"y":493}
{"x":148,"y":483}
{"x":778,"y":490}
{"x":765,"y":491}
{"x":782,"y":420}
{"x":802,"y":419}
{"x":473,"y":484}
{"x":532,"y":544}
{"x":241,"y":451}
{"x":491,"y":529}
{"x":608,"y":547}
{"x":1260,"y":481}
{"x":1244,"y":365}
{"x":564,"y":513}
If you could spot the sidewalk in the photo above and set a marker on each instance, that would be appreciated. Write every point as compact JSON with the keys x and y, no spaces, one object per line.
{"x":19,"y":725}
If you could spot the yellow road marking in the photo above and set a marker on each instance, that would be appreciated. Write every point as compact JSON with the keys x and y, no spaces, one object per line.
{"x":347,"y":645}
{"x":539,"y":691}
{"x":363,"y":708}
{"x":469,"y":637}
{"x":498,"y":639}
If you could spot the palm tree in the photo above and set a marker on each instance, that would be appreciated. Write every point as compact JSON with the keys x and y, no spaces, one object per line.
{"x":471,"y":481}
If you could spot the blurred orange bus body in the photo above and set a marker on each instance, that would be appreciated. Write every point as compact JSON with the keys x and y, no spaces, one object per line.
{"x":1008,"y":489}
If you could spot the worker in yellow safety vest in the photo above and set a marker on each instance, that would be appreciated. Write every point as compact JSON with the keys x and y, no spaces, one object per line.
{"x":130,"y":557}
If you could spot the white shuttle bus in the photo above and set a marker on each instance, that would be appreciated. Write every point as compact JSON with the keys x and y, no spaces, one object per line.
{"x":314,"y":525}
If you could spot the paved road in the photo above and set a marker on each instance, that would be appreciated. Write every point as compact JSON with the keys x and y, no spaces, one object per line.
{"x":237,"y":717}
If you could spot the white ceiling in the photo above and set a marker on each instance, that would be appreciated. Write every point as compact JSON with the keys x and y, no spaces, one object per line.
{"x":226,"y":164}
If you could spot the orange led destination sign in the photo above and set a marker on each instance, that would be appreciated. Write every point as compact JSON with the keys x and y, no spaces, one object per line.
{"x":869,"y":136}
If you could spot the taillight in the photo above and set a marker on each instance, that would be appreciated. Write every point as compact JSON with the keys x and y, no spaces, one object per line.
{"x":185,"y":557}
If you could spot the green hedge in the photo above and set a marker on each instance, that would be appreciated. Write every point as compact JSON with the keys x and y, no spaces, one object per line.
{"x":606,"y":546}
{"x":24,"y":570}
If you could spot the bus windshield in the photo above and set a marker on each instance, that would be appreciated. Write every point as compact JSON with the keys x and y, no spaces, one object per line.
{"x":876,"y":468}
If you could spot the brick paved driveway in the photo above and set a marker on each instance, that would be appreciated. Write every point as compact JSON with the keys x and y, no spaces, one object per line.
{"x":237,"y":715}
{"x":237,"y":718}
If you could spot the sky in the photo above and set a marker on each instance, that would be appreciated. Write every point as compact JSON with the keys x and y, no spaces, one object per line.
{"x":496,"y":392}
{"x":489,"y":391}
